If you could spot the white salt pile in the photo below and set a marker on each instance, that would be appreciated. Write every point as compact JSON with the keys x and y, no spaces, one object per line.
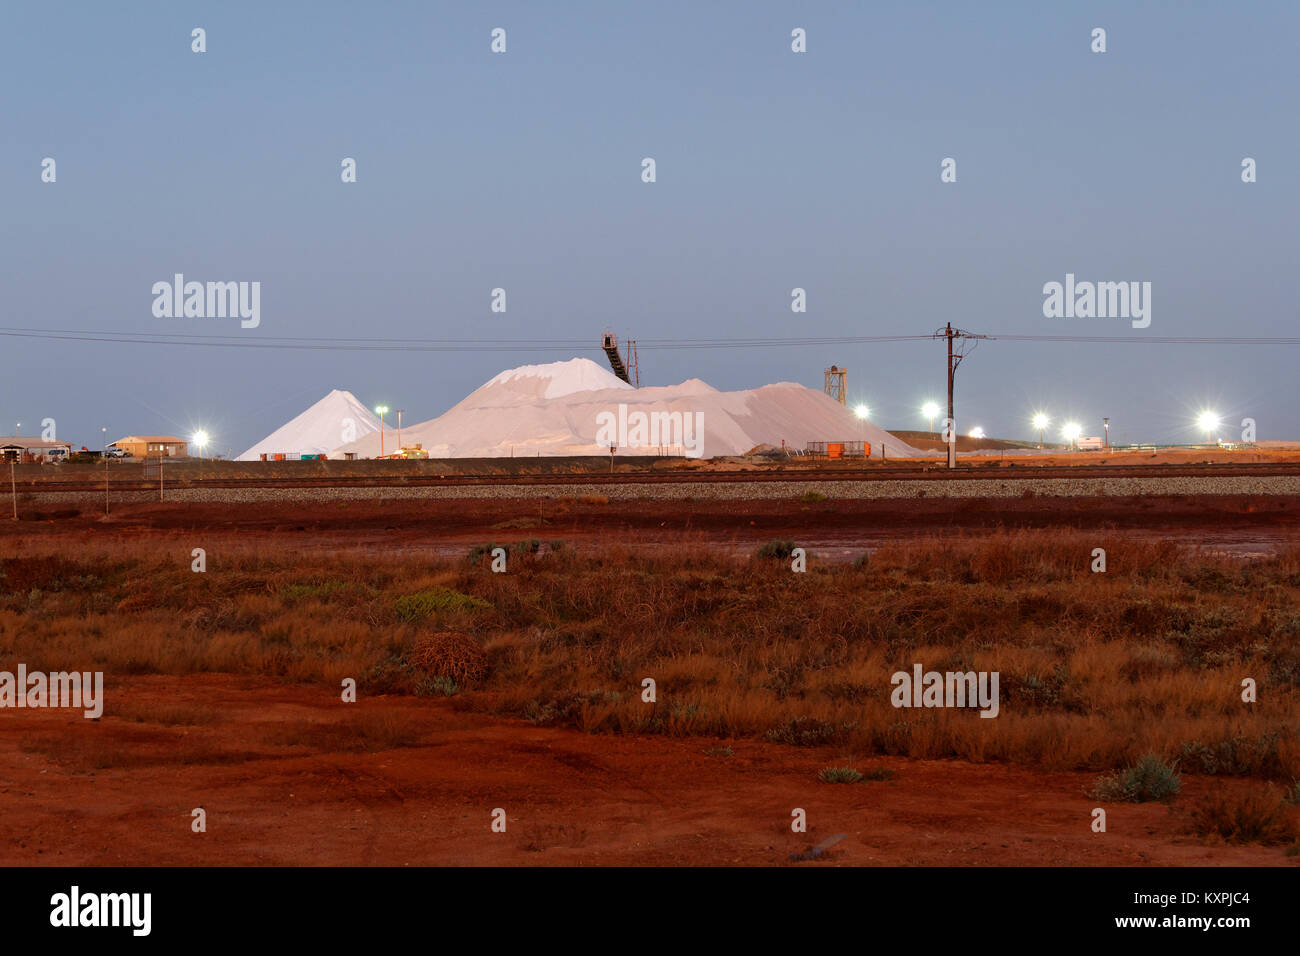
{"x":579,"y":408}
{"x":336,"y":419}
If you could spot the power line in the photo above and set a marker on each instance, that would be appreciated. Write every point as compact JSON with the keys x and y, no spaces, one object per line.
{"x":1152,"y":339}
{"x":423,"y":345}
{"x":35,"y":332}
{"x":347,"y":344}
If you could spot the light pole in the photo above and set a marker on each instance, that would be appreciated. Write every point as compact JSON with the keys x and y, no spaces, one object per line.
{"x":1071,"y":431}
{"x":200,"y":439}
{"x":862,"y":412}
{"x":931,"y":411}
{"x":1041,"y":421}
{"x":399,"y":430}
{"x":104,"y":432}
{"x":382,"y":410}
{"x":1105,"y":423}
{"x":1208,"y":423}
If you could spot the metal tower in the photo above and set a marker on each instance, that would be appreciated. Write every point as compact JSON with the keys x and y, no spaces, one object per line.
{"x":837,"y":384}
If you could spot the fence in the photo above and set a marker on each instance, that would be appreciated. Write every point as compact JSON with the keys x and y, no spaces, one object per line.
{"x":838,"y":449}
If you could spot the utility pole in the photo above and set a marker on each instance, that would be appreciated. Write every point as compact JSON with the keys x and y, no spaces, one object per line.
{"x":399,"y":430}
{"x":13,"y":488}
{"x":950,"y":436}
{"x":954,"y":359}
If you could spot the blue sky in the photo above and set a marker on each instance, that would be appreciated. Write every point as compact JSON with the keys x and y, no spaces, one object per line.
{"x":775,"y":170}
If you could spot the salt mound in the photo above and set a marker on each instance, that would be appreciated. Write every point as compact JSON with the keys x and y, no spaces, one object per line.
{"x":558,"y":378}
{"x":336,"y":418}
{"x":577,"y":408}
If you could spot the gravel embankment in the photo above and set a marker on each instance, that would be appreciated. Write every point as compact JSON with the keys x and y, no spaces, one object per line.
{"x":734,"y":491}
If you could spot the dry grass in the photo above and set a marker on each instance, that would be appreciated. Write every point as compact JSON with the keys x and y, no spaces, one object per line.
{"x":457,"y":657}
{"x":1259,"y":815}
{"x":1096,"y":669}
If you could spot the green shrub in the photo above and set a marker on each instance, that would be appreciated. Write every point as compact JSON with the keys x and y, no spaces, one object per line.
{"x":1149,"y":779}
{"x":416,"y":607}
{"x":481,"y":551}
{"x":839,"y":775}
{"x":777,"y":549}
{"x":804,"y":732}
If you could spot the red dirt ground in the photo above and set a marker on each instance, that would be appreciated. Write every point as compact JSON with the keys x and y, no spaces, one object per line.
{"x":1257,"y":523}
{"x":570,"y":798}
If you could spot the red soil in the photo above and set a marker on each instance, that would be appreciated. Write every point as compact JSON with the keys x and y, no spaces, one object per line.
{"x":1237,"y":523}
{"x":570,"y":798}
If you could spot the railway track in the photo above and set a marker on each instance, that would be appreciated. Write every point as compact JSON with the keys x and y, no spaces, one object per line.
{"x":1005,"y":473}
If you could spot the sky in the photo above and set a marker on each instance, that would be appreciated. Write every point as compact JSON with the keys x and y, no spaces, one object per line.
{"x":522,"y":170}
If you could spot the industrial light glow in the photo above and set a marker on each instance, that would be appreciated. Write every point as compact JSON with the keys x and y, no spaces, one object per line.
{"x":977,"y":432}
{"x":862,"y":412}
{"x":1208,"y":421}
{"x":1071,"y":431}
{"x":381,"y":409}
{"x":199,"y":438}
{"x":930,"y":410}
{"x":1041,"y":421}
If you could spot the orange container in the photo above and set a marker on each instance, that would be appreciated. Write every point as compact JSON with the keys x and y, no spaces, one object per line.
{"x":835,"y":449}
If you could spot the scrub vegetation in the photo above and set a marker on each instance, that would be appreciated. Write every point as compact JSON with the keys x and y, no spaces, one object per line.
{"x":1098,"y":670}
